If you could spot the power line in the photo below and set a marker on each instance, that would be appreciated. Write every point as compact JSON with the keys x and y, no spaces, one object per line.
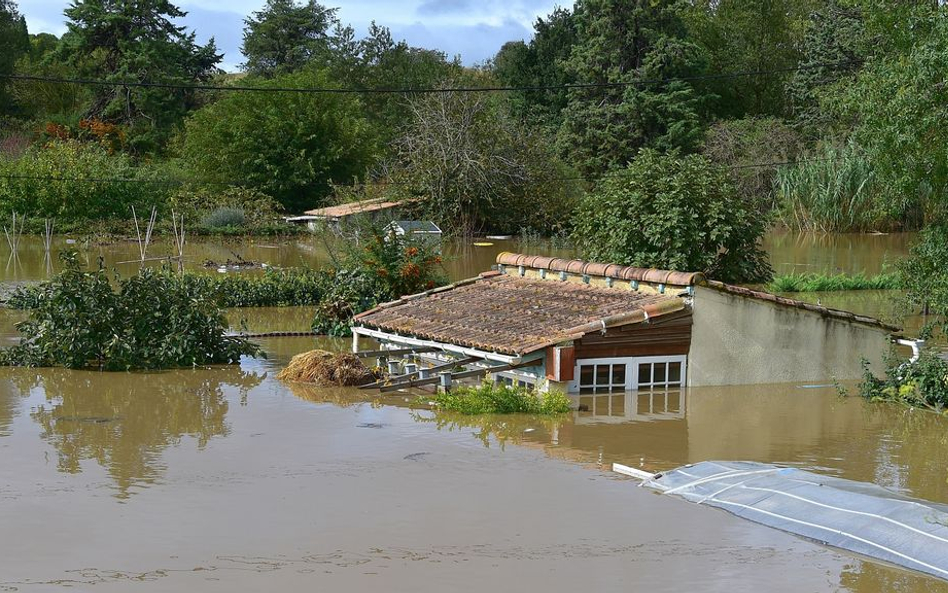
{"x":428,"y":90}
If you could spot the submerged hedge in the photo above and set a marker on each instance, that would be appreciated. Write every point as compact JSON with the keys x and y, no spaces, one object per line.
{"x":153,"y":320}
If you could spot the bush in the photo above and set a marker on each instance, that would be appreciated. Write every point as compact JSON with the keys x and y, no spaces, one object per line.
{"x":155,"y":320}
{"x":80,"y":189}
{"x":490,"y":398}
{"x":923,"y":383}
{"x":673,"y":212}
{"x":925,"y":272}
{"x":196,"y":203}
{"x":289,"y":145}
{"x":225,"y":218}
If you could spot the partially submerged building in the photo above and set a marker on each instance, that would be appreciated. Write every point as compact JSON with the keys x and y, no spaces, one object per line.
{"x":584,"y":327}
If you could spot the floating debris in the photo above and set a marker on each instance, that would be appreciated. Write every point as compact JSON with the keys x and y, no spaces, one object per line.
{"x":327,"y":369}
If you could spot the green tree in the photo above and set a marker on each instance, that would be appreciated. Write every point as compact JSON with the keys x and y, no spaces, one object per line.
{"x":14,"y":42}
{"x":741,"y":36}
{"x":542,"y":62}
{"x":285,"y":36}
{"x":835,"y":34}
{"x":896,"y":109}
{"x":291,"y":146}
{"x":621,"y":43}
{"x":673,"y":212}
{"x":137,"y":40}
{"x":48,"y":101}
{"x":377,"y":61}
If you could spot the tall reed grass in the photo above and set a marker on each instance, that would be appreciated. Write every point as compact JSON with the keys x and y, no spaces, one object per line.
{"x":833,"y":190}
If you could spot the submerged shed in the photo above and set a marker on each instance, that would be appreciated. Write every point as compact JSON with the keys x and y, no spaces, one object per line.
{"x":586,"y":327}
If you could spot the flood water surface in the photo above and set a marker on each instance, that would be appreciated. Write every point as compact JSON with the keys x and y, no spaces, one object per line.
{"x":227,"y":480}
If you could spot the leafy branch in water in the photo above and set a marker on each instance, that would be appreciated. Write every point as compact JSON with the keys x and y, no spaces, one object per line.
{"x":154,"y":320}
{"x":922,"y":383}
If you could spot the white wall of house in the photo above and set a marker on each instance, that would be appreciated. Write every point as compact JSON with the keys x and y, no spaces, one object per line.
{"x":738,"y":340}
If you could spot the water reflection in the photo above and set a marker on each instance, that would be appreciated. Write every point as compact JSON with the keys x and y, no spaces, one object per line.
{"x":125,"y":421}
{"x":814,"y":428}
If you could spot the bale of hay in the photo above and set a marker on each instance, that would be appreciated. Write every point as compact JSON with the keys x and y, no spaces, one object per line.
{"x":327,"y":369}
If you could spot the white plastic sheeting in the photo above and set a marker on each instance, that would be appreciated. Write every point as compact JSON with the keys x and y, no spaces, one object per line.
{"x":855,"y":516}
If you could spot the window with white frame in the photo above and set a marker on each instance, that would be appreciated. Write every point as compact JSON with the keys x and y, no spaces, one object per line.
{"x":610,"y":375}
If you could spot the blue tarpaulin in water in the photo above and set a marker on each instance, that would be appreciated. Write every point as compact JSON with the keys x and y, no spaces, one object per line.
{"x":862,"y":518}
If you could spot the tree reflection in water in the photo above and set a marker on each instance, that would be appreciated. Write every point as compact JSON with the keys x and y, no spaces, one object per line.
{"x":124,"y":421}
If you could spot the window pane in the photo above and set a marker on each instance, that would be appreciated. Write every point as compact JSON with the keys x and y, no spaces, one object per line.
{"x":659,"y":373}
{"x":602,"y":374}
{"x":586,"y":374}
{"x":674,"y":372}
{"x":618,"y":375}
{"x":618,"y":405}
{"x":645,"y":374}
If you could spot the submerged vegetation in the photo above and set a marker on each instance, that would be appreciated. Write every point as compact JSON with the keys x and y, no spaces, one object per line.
{"x":492,"y":398}
{"x":922,"y":383}
{"x":812,"y":282}
{"x":153,"y":320}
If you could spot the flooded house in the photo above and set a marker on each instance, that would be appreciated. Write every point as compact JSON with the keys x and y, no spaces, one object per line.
{"x":587,"y":328}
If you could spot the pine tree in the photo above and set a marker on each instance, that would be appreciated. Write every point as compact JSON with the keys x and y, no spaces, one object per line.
{"x":137,"y":41}
{"x":621,"y":42}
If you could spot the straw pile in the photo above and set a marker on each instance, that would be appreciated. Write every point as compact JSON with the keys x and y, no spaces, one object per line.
{"x":327,"y":369}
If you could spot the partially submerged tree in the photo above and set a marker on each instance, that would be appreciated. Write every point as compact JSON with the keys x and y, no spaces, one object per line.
{"x":79,"y":321}
{"x":673,"y":212}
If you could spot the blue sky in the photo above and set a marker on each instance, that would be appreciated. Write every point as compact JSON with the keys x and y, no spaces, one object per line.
{"x":475,"y":29}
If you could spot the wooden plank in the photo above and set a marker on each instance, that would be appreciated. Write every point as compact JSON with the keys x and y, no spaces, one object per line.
{"x":435,"y":369}
{"x":397,"y":352}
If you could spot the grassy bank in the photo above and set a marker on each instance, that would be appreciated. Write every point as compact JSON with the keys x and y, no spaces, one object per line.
{"x":831,"y":283}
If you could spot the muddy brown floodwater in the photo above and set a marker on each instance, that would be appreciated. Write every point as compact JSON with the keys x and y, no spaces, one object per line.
{"x":225,"y":479}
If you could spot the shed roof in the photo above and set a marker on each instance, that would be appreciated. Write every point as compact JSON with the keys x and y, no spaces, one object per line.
{"x":515,"y":316}
{"x":351,"y":208}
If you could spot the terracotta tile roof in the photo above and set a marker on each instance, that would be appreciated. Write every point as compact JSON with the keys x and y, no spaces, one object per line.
{"x":515,"y":316}
{"x":824,"y":311}
{"x":578,"y":266}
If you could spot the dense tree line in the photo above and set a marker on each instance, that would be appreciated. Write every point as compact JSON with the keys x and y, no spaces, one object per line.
{"x":801,"y":106}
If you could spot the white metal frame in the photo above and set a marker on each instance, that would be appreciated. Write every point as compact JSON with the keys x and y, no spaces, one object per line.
{"x":631,"y":372}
